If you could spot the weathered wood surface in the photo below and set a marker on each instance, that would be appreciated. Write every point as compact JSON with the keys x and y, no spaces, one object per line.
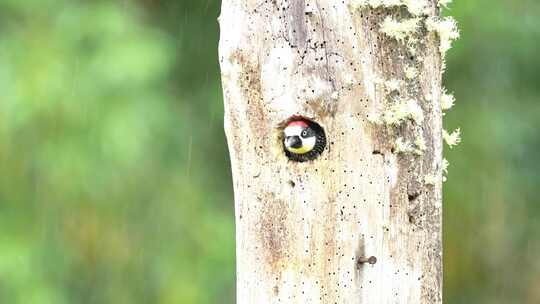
{"x":375,"y":191}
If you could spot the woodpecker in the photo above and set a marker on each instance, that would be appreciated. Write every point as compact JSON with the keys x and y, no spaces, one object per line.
{"x":303,"y":140}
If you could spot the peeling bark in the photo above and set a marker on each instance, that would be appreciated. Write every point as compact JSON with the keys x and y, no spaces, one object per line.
{"x":304,"y":229}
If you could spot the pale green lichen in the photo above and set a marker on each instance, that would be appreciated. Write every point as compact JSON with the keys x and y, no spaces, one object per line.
{"x":447,"y":101}
{"x":452,"y":139}
{"x":411,"y":45}
{"x":401,"y":146}
{"x":420,"y":144}
{"x":447,"y":30}
{"x":415,"y":7}
{"x":417,"y":148}
{"x":430,"y":179}
{"x":374,"y":118}
{"x":402,"y":110}
{"x":445,"y":165}
{"x":444,"y":3}
{"x":405,"y":31}
{"x":411,"y":72}
{"x":400,"y":30}
{"x":392,"y":85}
{"x":375,"y":3}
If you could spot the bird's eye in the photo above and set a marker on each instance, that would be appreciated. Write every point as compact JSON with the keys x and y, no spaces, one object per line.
{"x":304,"y":133}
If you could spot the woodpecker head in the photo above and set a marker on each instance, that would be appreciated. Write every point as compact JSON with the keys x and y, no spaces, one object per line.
{"x":303,"y":140}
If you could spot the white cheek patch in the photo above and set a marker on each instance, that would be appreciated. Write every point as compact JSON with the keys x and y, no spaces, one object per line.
{"x":293,"y":131}
{"x":309,"y":143}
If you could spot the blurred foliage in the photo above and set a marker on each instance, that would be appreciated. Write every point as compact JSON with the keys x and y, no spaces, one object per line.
{"x":114,"y":167}
{"x":492,"y":212}
{"x":115,"y":183}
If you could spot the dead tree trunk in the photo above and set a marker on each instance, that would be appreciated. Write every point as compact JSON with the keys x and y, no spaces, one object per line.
{"x":370,"y":74}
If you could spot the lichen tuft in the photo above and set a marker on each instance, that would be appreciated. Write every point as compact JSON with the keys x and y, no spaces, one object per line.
{"x":447,"y":101}
{"x":444,"y":3}
{"x":402,"y":110}
{"x":400,"y":30}
{"x":452,"y":139}
{"x":411,"y":72}
{"x":447,"y":30}
{"x":415,"y":7}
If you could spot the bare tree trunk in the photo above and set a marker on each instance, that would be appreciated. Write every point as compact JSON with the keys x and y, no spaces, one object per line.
{"x":370,"y":75}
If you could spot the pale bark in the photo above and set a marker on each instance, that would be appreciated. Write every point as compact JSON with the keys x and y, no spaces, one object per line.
{"x":303,"y":227}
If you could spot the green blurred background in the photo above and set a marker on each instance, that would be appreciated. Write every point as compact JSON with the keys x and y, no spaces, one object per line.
{"x":114,"y":174}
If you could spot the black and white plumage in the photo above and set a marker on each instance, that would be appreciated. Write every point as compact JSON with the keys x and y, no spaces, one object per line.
{"x":303,"y":140}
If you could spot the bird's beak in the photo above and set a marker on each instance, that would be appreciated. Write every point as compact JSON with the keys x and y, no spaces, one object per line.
{"x":293,"y":142}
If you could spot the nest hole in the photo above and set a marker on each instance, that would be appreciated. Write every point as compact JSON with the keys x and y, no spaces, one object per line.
{"x":302,"y":139}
